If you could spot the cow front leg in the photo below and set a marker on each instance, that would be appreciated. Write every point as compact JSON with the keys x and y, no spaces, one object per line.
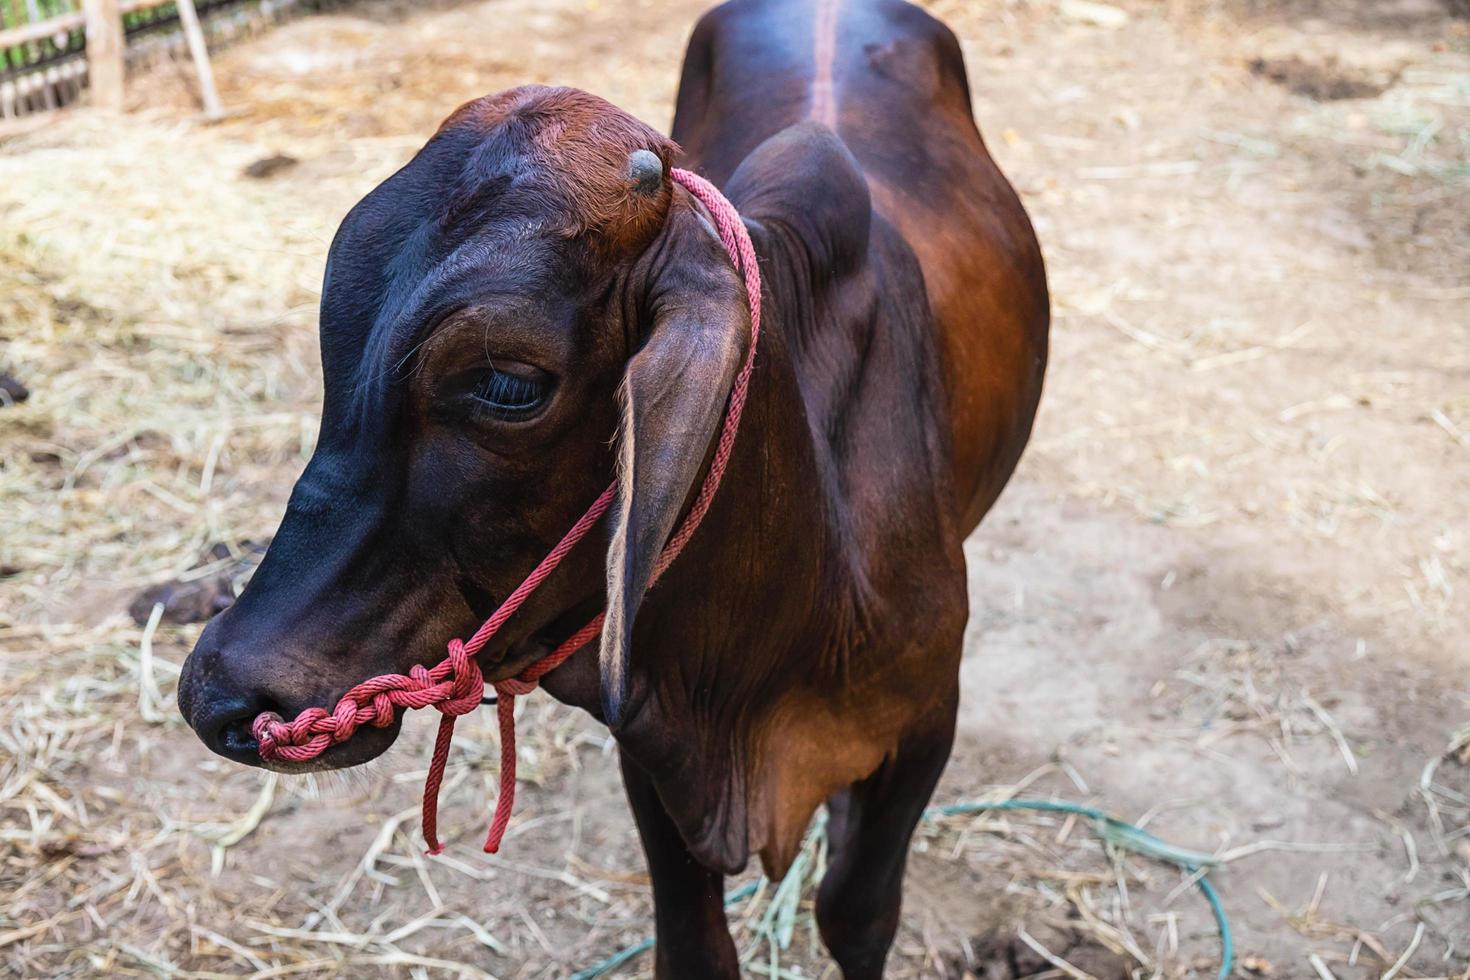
{"x":869,"y":827}
{"x":693,"y":937}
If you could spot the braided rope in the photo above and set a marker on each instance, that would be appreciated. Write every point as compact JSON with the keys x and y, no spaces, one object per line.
{"x":456,"y":685}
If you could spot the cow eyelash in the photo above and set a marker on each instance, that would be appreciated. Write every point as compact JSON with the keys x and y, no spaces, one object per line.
{"x":503,"y":395}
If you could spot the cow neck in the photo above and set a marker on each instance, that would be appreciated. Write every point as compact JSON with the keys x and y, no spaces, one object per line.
{"x":456,"y":685}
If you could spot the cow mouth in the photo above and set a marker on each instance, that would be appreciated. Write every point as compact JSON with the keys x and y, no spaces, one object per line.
{"x":238,"y":741}
{"x":233,"y":736}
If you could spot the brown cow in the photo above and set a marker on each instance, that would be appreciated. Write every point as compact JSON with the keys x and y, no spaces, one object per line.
{"x":483,"y":309}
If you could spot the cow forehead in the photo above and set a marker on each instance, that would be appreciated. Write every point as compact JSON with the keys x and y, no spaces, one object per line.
{"x":430,"y":236}
{"x":530,"y":163}
{"x":497,"y":201}
{"x":579,"y":147}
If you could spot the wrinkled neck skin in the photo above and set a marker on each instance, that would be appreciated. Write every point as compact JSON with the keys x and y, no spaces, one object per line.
{"x":720,"y":637}
{"x":753,"y":690}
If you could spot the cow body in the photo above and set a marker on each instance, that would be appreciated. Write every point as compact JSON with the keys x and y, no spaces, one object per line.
{"x":890,"y":82}
{"x":805,"y":646}
{"x":843,"y":133}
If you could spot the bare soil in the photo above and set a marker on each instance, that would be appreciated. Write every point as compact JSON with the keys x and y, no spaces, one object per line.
{"x":1224,"y":596}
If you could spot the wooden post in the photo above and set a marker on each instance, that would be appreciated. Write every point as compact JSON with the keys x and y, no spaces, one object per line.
{"x":194,"y":34}
{"x":105,"y":47}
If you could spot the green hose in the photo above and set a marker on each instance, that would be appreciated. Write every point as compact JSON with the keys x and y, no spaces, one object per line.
{"x":1110,"y":829}
{"x":1132,"y":838}
{"x":624,"y":955}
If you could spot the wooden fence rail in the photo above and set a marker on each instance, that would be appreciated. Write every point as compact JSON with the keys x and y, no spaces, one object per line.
{"x":42,"y":30}
{"x":101,"y":24}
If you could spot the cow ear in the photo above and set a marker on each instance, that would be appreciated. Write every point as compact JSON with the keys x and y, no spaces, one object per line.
{"x":696,"y":325}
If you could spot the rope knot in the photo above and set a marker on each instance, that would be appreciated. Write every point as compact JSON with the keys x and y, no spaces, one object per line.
{"x":466,"y":685}
{"x":266,"y":729}
{"x":382,"y":708}
{"x":307,"y":724}
{"x":345,"y":719}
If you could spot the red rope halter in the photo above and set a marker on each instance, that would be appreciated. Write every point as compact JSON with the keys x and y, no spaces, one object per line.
{"x":456,"y":686}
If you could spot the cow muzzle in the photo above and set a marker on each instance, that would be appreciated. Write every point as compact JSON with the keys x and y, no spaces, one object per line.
{"x":227,"y":683}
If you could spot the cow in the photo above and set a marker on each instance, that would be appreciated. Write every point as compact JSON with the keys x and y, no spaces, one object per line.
{"x":517,"y":316}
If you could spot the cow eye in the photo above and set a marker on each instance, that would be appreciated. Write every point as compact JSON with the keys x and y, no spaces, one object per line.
{"x":510,"y":391}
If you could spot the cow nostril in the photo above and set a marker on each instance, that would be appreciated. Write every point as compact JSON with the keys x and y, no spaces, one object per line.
{"x":226,"y":730}
{"x":236,"y":738}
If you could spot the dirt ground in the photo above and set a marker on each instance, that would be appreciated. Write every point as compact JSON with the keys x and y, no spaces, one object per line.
{"x":1225,"y":595}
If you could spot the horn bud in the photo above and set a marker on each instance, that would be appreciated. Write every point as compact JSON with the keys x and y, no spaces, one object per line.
{"x":645,"y":171}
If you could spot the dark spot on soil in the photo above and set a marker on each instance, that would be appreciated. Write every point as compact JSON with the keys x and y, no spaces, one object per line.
{"x":68,"y":309}
{"x":1325,"y":82}
{"x":1010,"y":958}
{"x":12,"y":391}
{"x":269,"y":166}
{"x":196,"y":599}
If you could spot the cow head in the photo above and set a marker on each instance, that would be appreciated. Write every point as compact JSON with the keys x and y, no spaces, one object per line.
{"x":525,"y":308}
